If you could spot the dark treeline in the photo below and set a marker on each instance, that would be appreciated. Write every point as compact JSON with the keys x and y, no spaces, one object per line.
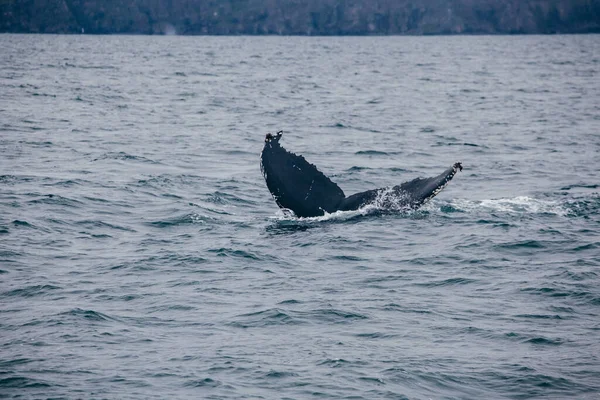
{"x":300,"y":17}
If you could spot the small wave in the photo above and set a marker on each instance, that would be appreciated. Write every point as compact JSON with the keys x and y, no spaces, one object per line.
{"x":335,"y":316}
{"x":14,"y":179}
{"x":31,"y":291}
{"x":22,"y":382}
{"x":348,"y":258}
{"x":125,"y":157}
{"x":544,"y":341}
{"x":280,"y":374}
{"x":460,"y":144}
{"x":186,"y":219}
{"x":357,"y":168}
{"x":207,"y":382}
{"x":224,"y":198}
{"x":376,"y":335}
{"x":226,"y":252}
{"x":398,"y":169}
{"x":584,"y":206}
{"x":527,"y":244}
{"x":89,"y":315}
{"x":6,"y":255}
{"x":371,"y":153}
{"x":580,"y":186}
{"x":92,"y":66}
{"x":153,"y":262}
{"x":290,"y":301}
{"x":278,"y":316}
{"x":272,"y":316}
{"x":17,"y":361}
{"x":447,"y":282}
{"x":155,"y":182}
{"x":172,"y":308}
{"x":404,"y":309}
{"x":67,"y":183}
{"x":36,"y":143}
{"x":101,"y":224}
{"x":588,"y":246}
{"x":370,"y":379}
{"x":237,"y":152}
{"x":578,"y":276}
{"x":43,"y":94}
{"x":24,"y":224}
{"x":53,"y":199}
{"x":581,"y":295}
{"x":539,"y":316}
{"x":334,"y":362}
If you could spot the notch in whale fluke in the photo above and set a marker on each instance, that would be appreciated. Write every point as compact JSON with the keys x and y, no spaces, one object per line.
{"x":270,"y":137}
{"x":299,"y":186}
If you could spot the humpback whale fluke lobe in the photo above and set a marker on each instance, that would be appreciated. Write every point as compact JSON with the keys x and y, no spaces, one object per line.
{"x":299,"y":186}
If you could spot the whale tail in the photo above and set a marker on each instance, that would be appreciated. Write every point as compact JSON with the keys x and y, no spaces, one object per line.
{"x":299,"y":186}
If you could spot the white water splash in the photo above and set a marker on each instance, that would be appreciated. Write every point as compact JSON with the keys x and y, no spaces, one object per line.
{"x":515,"y":205}
{"x":386,"y":200}
{"x":335,"y":216}
{"x":169,"y":30}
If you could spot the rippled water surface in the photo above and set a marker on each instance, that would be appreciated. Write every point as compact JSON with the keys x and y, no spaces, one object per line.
{"x":142,"y":256}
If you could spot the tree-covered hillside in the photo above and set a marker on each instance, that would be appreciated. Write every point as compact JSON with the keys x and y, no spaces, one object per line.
{"x":300,"y":17}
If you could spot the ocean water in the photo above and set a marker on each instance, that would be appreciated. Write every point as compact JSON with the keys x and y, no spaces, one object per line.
{"x":142,"y":256}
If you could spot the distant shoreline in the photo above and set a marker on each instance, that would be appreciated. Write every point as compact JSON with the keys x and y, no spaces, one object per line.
{"x":302,"y":18}
{"x":306,"y":36}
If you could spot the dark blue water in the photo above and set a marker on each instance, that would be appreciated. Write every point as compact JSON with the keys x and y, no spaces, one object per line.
{"x":142,"y":256}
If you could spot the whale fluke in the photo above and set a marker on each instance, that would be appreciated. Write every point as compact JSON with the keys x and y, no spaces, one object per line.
{"x":299,"y":186}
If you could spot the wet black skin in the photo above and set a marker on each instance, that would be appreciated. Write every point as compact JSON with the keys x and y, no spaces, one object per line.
{"x":299,"y":186}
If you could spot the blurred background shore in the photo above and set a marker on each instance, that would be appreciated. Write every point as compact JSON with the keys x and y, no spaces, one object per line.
{"x":311,"y":17}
